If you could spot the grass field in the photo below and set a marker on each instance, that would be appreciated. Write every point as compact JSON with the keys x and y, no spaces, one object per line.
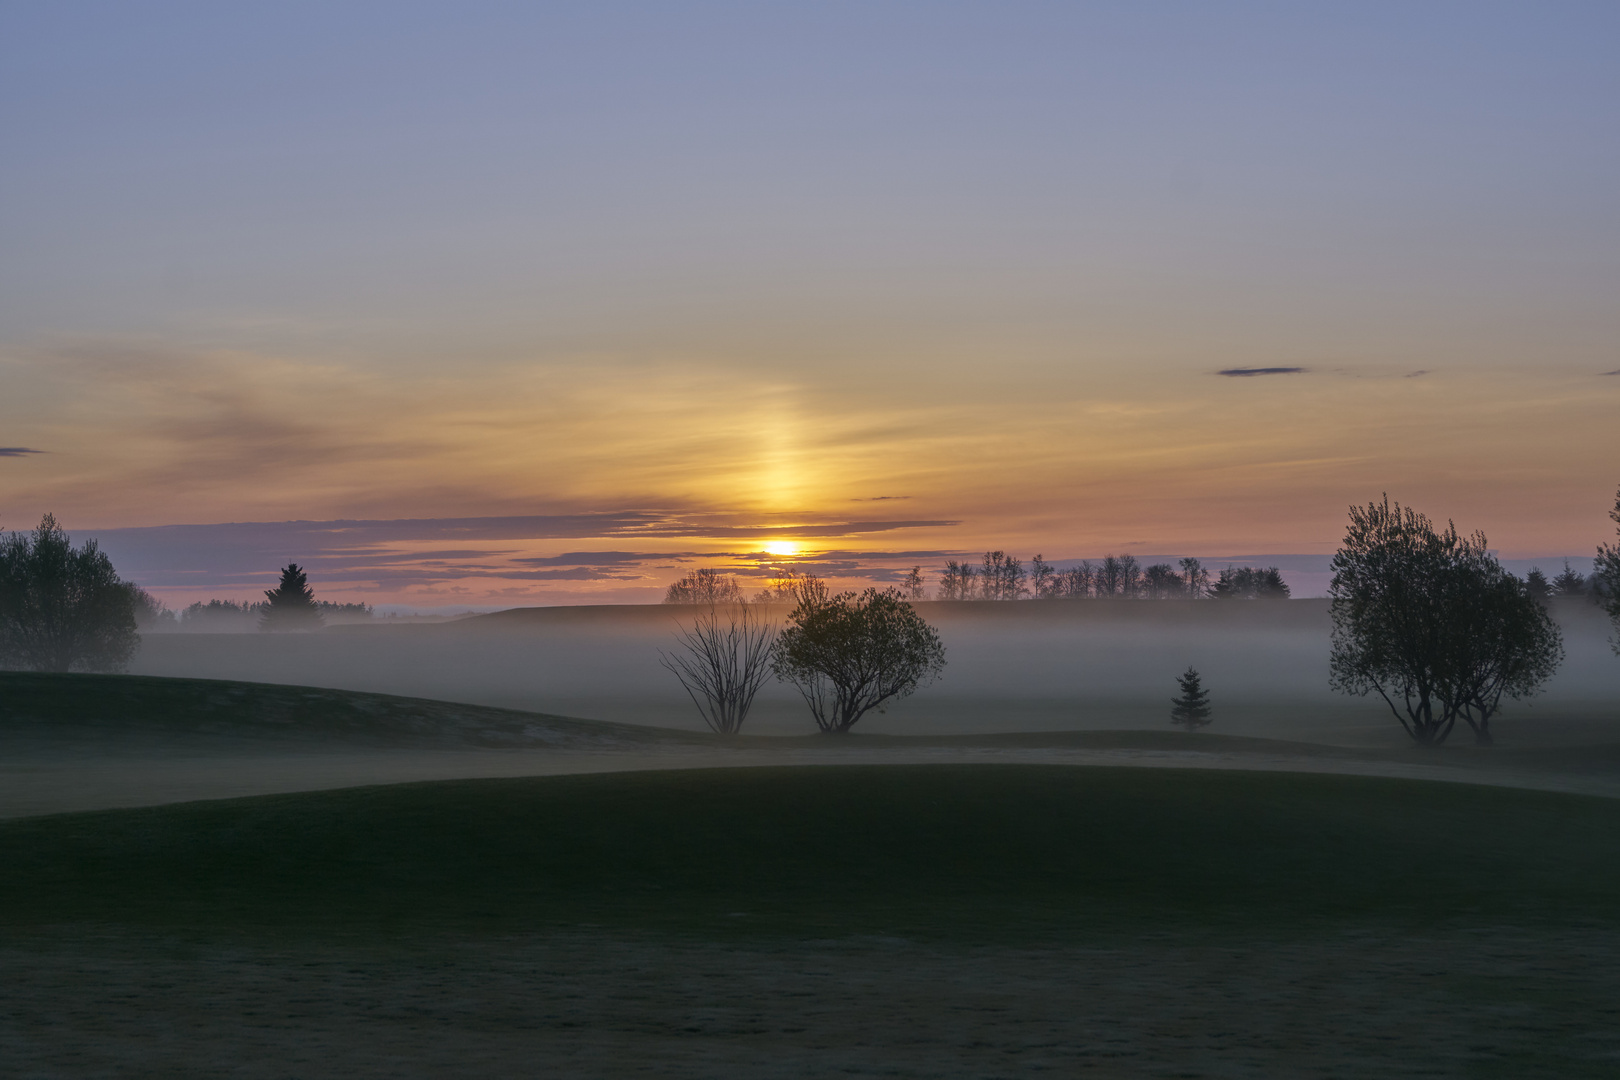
{"x":878,"y":919}
{"x":951,"y":852}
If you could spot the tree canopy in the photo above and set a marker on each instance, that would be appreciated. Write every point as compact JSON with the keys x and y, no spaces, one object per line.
{"x":63,"y":608}
{"x":848,"y":655}
{"x":1433,"y":624}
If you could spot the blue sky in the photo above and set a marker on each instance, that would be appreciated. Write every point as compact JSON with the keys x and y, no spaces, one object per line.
{"x":757,"y":262}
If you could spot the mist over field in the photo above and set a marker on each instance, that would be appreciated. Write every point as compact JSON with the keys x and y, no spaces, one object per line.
{"x":1032,"y":666}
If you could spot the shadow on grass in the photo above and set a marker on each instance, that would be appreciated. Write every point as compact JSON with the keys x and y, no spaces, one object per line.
{"x":975,"y":852}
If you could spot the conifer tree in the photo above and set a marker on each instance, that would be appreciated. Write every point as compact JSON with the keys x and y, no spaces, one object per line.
{"x":291,"y":605}
{"x":1191,"y":709}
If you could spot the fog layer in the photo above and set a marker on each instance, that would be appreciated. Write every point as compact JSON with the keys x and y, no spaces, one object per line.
{"x":1010,"y":667}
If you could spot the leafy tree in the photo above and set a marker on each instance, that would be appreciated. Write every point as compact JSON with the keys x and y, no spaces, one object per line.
{"x":1507,"y":646}
{"x":1606,"y":573}
{"x":1536,"y":584}
{"x":1190,"y":710}
{"x":704,"y":587}
{"x":1569,"y":585}
{"x":1250,"y":583}
{"x":1432,"y":623}
{"x":150,"y":612}
{"x":848,"y":655}
{"x":722,"y":664}
{"x":290,"y":605}
{"x":63,"y":607}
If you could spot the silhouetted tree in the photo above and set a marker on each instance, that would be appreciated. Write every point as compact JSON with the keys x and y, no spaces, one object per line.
{"x":1250,"y":583}
{"x":1002,"y":577}
{"x":912,"y":584}
{"x":1190,"y":710}
{"x":1109,"y":578}
{"x":723,"y":662}
{"x":1043,"y":579}
{"x":1570,"y":585}
{"x":1431,"y":622}
{"x":1536,"y":584}
{"x":63,"y":607}
{"x":150,"y":612}
{"x":848,"y":655}
{"x":704,"y":587}
{"x":344,"y":613}
{"x":1507,"y":646}
{"x":1077,"y":581}
{"x":1606,"y":572}
{"x":291,"y":604}
{"x":1161,"y":582}
{"x":958,"y":581}
{"x":778,"y":590}
{"x":1196,"y":578}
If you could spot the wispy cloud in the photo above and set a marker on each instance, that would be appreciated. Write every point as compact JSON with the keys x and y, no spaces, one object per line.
{"x":1246,"y":372}
{"x":1616,"y":371}
{"x":17,"y":451}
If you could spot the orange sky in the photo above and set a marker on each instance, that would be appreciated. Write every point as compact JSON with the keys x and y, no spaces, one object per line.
{"x":971,"y":266}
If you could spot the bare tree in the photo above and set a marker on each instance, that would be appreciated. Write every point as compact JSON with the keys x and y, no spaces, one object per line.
{"x":722,"y":663}
{"x":1002,"y":577}
{"x":1196,"y":579}
{"x":1044,"y":581}
{"x":912,"y":584}
{"x":1077,"y":582}
{"x":704,"y":587}
{"x":958,"y":581}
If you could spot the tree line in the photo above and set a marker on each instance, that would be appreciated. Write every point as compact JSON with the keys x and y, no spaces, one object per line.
{"x":64,"y":608}
{"x":999,"y":576}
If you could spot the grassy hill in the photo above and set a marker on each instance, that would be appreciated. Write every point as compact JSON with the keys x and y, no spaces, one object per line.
{"x":976,"y":852}
{"x":118,"y":708}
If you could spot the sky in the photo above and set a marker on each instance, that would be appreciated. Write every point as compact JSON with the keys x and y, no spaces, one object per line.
{"x":490,"y":304}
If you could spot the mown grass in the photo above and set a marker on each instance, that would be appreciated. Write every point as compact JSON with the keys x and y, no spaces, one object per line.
{"x":961,"y":852}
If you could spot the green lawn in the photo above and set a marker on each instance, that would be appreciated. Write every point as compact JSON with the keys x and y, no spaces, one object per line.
{"x":977,"y":852}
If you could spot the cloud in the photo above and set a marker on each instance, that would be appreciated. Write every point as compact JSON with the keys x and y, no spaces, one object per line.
{"x":17,"y":451}
{"x":1246,"y":372}
{"x":1616,"y":371}
{"x":597,"y":558}
{"x":1415,"y":374}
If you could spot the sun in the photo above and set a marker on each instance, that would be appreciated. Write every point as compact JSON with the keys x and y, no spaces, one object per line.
{"x":784,"y":548}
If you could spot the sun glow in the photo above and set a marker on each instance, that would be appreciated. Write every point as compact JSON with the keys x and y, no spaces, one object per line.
{"x":782,"y":548}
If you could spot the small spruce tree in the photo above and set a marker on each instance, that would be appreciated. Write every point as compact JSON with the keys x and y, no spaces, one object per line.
{"x":291,"y":605}
{"x":1191,"y":709}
